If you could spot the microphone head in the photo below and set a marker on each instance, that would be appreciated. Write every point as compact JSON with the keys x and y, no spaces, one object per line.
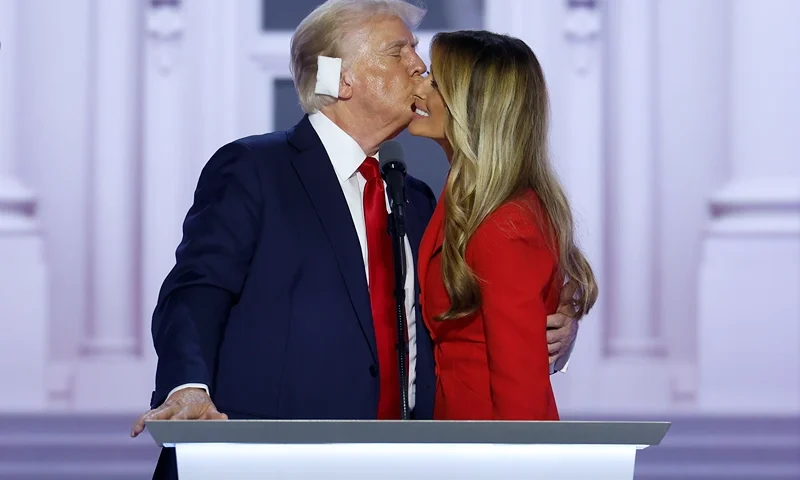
{"x":391,"y":155}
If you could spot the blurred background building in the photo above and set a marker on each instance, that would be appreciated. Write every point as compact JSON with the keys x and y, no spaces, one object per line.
{"x":675,"y":127}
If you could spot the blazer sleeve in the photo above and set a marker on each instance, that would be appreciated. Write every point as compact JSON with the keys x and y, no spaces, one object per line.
{"x":212,"y":261}
{"x":514,"y":265}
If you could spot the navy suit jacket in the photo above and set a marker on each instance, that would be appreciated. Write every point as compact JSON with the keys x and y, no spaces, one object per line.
{"x":268,"y":302}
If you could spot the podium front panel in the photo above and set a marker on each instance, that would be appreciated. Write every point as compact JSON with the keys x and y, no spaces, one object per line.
{"x":352,"y":461}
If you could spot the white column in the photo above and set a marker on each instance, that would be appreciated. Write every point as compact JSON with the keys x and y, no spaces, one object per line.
{"x":115,"y":154}
{"x":269,"y":61}
{"x":577,"y":112}
{"x":23,"y":294}
{"x":749,"y":309}
{"x":632,"y":160}
{"x":110,"y":355}
{"x":215,"y":53}
{"x":692,"y":148}
{"x":263,"y":58}
{"x":8,"y":46}
{"x":165,"y":198}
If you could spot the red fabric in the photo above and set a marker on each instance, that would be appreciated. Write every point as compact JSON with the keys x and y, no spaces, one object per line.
{"x":493,"y":364}
{"x":381,"y":281}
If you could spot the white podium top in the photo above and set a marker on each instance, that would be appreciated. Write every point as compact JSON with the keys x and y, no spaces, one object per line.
{"x":173,"y":432}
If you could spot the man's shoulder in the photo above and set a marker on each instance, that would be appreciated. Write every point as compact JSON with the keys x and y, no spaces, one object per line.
{"x":260,"y":151}
{"x":289,"y":140}
{"x":251,"y":157}
{"x":263,"y":142}
{"x":417,"y":186}
{"x":421,"y":195}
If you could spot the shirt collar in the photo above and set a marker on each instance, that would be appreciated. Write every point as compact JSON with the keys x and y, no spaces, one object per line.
{"x":344,"y":152}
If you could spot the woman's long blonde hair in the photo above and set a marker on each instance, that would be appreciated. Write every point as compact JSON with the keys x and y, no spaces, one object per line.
{"x":495,"y":92}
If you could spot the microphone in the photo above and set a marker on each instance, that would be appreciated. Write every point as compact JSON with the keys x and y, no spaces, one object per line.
{"x":393,"y":171}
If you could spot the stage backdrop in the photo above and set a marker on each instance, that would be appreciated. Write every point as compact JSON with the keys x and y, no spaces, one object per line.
{"x":674,"y":127}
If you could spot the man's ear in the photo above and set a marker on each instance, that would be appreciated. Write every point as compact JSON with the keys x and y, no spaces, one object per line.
{"x":346,"y":85}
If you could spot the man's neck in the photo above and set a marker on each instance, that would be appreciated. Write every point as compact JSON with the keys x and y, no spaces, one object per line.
{"x":360,"y":129}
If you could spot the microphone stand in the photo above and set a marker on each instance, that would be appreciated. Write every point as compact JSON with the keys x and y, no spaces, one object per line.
{"x":397,"y":230}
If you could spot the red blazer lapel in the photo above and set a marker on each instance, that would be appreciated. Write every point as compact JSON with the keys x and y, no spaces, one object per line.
{"x":430,"y":243}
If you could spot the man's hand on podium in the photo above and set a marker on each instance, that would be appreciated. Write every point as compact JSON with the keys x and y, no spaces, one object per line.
{"x":185,"y":404}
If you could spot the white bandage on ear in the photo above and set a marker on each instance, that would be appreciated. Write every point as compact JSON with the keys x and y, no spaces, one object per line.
{"x":329,"y":70}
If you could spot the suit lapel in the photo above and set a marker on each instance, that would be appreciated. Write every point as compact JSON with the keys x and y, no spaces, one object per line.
{"x":431,"y":240}
{"x":322,"y":186}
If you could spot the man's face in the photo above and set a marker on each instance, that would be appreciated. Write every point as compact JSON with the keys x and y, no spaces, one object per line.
{"x":385,"y":73}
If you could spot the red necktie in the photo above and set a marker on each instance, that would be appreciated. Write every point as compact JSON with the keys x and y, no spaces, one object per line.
{"x":381,"y":279}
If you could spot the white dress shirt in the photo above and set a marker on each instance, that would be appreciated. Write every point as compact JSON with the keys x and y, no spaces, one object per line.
{"x":346,"y":156}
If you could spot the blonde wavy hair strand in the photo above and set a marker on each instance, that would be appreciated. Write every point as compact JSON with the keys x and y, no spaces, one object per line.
{"x":496,"y":96}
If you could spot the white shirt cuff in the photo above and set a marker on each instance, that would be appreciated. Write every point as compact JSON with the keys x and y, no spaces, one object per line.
{"x":189,"y":385}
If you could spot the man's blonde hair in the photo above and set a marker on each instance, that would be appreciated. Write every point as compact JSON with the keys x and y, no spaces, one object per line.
{"x":336,"y":29}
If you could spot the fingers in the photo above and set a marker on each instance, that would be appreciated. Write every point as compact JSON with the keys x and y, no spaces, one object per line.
{"x":191,"y":412}
{"x":556,"y":339}
{"x":161,"y":413}
{"x":138,"y":425}
{"x":204,"y":411}
{"x":555,"y":348}
{"x":554,"y":336}
{"x":199,"y":412}
{"x":215,"y":415}
{"x":556,"y":320}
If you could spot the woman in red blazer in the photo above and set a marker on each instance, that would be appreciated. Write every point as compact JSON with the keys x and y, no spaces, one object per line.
{"x":500,"y":244}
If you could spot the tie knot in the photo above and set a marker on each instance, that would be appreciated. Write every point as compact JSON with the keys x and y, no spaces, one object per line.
{"x":370,"y":169}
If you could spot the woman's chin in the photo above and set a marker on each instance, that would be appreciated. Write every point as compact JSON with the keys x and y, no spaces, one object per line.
{"x":414,"y":128}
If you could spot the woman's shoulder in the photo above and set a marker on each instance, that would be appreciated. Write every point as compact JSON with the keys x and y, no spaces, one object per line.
{"x":521,"y":216}
{"x":519,"y":226}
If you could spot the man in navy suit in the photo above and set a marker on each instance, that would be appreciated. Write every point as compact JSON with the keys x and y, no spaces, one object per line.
{"x":275,"y":307}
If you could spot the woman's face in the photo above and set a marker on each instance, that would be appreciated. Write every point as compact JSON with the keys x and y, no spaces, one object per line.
{"x":430,"y":112}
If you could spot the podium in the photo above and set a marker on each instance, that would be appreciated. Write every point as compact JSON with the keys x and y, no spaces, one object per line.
{"x":402,"y":450}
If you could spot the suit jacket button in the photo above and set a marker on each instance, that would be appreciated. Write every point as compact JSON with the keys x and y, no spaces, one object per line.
{"x":373,"y":370}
